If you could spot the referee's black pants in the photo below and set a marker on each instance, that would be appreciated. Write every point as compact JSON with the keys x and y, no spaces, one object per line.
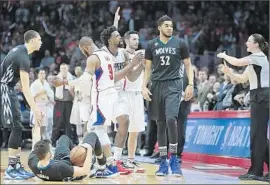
{"x":61,"y":122}
{"x":259,"y":144}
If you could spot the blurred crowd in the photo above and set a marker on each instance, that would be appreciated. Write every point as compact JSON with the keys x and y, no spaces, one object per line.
{"x":207,"y":27}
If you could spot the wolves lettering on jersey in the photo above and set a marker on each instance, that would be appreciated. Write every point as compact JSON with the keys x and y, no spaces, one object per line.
{"x":137,"y":84}
{"x":104,"y":76}
{"x":162,"y":51}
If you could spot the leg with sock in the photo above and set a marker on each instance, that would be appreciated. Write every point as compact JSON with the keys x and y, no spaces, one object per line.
{"x":15,"y":169}
{"x":102,"y":171}
{"x":132,"y":145}
{"x":173,"y":139}
{"x":162,"y":142}
{"x":119,"y":143}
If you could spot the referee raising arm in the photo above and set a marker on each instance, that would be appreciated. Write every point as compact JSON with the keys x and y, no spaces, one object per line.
{"x":257,"y":72}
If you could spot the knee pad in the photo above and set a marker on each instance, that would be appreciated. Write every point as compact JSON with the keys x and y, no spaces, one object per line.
{"x":15,"y":138}
{"x":102,"y":136}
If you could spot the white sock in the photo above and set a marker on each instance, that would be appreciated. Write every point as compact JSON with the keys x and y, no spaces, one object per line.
{"x":110,"y":160}
{"x":117,"y":153}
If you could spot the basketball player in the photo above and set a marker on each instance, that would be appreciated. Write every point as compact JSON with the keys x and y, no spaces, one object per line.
{"x":60,"y":167}
{"x":111,"y":38}
{"x":15,"y":67}
{"x":135,"y":102}
{"x":163,"y":59}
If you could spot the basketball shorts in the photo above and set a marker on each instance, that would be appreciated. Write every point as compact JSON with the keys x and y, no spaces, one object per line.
{"x":102,"y":108}
{"x":136,"y":111}
{"x":80,"y":112}
{"x":121,"y":106}
{"x":10,"y":112}
{"x":165,"y":99}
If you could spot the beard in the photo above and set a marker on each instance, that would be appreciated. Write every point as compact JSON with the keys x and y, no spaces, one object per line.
{"x":166,"y":35}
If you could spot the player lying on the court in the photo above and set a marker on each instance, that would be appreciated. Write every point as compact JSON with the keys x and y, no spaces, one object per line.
{"x":60,"y":168}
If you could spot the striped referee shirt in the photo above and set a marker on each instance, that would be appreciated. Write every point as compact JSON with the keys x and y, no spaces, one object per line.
{"x":258,"y":70}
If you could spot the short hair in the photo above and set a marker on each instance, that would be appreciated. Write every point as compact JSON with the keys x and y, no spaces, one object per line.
{"x":128,"y":33}
{"x":162,"y":19}
{"x":42,"y":148}
{"x":40,"y":69}
{"x":30,"y":34}
{"x":106,"y":34}
{"x":85,"y":41}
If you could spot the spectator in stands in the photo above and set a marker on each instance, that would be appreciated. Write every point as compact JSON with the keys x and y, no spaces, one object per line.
{"x":43,"y":96}
{"x":203,"y":87}
{"x":211,"y":101}
{"x":47,"y":60}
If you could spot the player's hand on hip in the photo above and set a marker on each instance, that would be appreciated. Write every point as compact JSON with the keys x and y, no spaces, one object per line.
{"x":146,"y":93}
{"x":188,"y":92}
{"x":139,"y":56}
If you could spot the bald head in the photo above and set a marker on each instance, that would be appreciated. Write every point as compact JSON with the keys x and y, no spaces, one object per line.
{"x":87,"y":46}
{"x":86,"y":41}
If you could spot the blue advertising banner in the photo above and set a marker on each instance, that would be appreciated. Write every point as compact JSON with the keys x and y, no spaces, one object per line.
{"x":218,"y":136}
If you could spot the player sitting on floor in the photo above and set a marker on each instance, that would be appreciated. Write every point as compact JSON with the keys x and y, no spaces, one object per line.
{"x":60,"y":168}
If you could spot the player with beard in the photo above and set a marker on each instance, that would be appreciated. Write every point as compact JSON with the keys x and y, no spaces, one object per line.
{"x":163,"y":58}
{"x":111,"y":38}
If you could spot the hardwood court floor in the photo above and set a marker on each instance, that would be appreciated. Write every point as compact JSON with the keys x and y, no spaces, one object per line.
{"x":190,"y":176}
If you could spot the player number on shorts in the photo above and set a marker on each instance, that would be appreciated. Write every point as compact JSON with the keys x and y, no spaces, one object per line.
{"x":165,"y":60}
{"x":110,"y":71}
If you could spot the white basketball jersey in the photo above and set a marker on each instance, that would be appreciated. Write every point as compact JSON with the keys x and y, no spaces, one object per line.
{"x":119,"y":63}
{"x":137,"y":84}
{"x":104,"y":76}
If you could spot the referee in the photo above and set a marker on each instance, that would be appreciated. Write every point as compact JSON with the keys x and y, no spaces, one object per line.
{"x":257,"y":72}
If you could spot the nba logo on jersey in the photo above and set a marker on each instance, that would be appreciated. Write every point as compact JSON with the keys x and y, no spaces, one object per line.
{"x":156,"y":44}
{"x":107,"y":58}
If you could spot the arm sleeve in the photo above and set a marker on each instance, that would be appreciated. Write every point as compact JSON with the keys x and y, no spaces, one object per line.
{"x":252,"y":59}
{"x":32,"y":160}
{"x":24,"y":63}
{"x":66,"y":170}
{"x":184,"y":50}
{"x":148,"y":52}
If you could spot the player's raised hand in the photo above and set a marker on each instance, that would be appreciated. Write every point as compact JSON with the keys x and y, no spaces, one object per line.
{"x":146,"y":93}
{"x":116,"y":17}
{"x":139,"y":56}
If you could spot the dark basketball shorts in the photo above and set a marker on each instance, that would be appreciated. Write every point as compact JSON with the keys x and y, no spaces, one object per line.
{"x":10,"y":111}
{"x":165,"y":99}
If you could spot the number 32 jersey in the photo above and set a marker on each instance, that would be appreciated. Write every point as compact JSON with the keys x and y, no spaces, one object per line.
{"x":166,"y":58}
{"x":104,"y":76}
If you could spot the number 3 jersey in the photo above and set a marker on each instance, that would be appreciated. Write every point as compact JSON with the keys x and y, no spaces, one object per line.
{"x":104,"y":76}
{"x":166,"y":58}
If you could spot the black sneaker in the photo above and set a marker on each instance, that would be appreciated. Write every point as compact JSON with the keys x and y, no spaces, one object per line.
{"x":249,"y":177}
{"x":265,"y":178}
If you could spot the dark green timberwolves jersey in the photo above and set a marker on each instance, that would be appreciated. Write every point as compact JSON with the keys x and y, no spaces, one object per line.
{"x":166,"y":58}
